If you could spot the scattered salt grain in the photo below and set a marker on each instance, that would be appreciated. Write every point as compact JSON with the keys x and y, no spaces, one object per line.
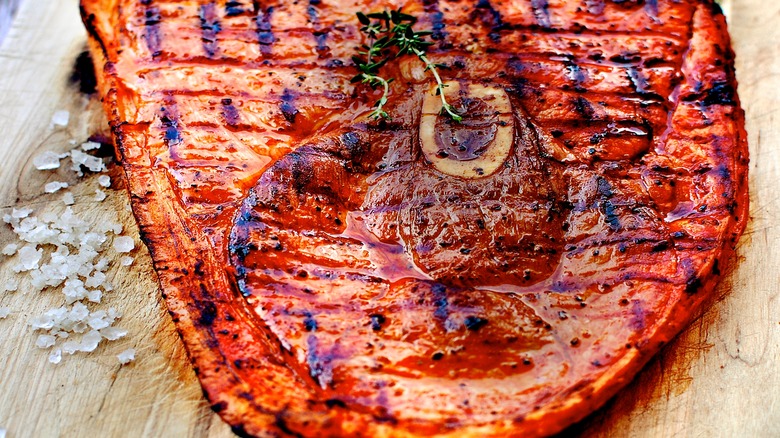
{"x":10,"y":249}
{"x":60,"y":118}
{"x":54,"y":186}
{"x":100,"y":195}
{"x":95,"y":296}
{"x":21,"y":213}
{"x":48,"y":160}
{"x":123,"y":244}
{"x":56,"y":356}
{"x":90,"y":146}
{"x":29,"y":257}
{"x":79,"y":158}
{"x":90,"y":341}
{"x":4,"y":312}
{"x":45,"y":341}
{"x":126,"y":356}
{"x":61,"y":250}
{"x":11,"y":285}
{"x":113,"y":333}
{"x":70,"y":347}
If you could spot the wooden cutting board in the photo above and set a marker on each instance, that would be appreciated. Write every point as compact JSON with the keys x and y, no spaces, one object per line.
{"x":719,"y":378}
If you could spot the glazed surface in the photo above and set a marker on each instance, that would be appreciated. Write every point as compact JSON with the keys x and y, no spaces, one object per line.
{"x":323,"y":270}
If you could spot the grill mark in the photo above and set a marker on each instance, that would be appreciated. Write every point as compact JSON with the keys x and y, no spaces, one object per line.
{"x":169,"y":118}
{"x":442,"y":311}
{"x":485,"y":12}
{"x":584,"y":108}
{"x":641,"y":84}
{"x":233,"y":8}
{"x":265,"y":35}
{"x":651,"y":7}
{"x":320,"y":367}
{"x":541,"y":13}
{"x":437,"y":19}
{"x":320,"y":34}
{"x":287,"y":106}
{"x":151,"y":35}
{"x":209,"y":27}
{"x":595,"y":7}
{"x":229,"y":112}
{"x":576,"y":75}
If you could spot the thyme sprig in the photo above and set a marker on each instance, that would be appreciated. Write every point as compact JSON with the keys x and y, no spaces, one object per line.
{"x":390,"y":35}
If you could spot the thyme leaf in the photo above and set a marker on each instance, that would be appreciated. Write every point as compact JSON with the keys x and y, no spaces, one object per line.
{"x":390,"y":35}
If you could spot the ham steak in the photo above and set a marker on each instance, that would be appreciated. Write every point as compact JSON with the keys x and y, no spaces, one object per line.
{"x":336,"y":275}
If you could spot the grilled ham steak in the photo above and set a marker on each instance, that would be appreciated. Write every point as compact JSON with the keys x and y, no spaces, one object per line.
{"x":333,"y":275}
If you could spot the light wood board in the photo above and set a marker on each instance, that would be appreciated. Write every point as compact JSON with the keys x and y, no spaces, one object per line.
{"x":719,"y":378}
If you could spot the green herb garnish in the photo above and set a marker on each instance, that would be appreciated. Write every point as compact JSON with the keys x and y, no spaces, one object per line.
{"x":390,"y":35}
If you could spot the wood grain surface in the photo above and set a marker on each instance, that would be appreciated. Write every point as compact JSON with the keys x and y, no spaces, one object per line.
{"x":719,"y":378}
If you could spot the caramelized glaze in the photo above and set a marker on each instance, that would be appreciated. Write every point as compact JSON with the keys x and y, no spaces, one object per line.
{"x":333,"y":275}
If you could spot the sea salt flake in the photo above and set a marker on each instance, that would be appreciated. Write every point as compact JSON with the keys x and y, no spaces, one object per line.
{"x":78,"y":312}
{"x":100,"y":195}
{"x":60,"y":118}
{"x":79,"y":158}
{"x":71,"y":347}
{"x":67,"y":198}
{"x":104,"y":181}
{"x":90,"y":341}
{"x":95,"y":296}
{"x":4,"y":312}
{"x":113,"y":333}
{"x":54,"y":186}
{"x":10,"y":249}
{"x":47,"y":160}
{"x":98,"y":321}
{"x":126,"y":261}
{"x":45,"y":341}
{"x":96,"y":279}
{"x":126,"y":356}
{"x":90,"y":146}
{"x":11,"y":285}
{"x":56,"y":356}
{"x":21,"y":213}
{"x":29,"y":257}
{"x":123,"y":244}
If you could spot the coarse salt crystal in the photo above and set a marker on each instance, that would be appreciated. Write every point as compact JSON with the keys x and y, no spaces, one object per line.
{"x":29,"y":257}
{"x":90,"y":341}
{"x":104,"y":181}
{"x":100,"y":195}
{"x":126,"y":356}
{"x":90,"y":146}
{"x":10,"y":249}
{"x":54,"y":186}
{"x":126,"y":261}
{"x":78,"y":159}
{"x":11,"y":285}
{"x":45,"y":341}
{"x":123,"y":244}
{"x":113,"y":333}
{"x":60,"y":118}
{"x":21,"y":213}
{"x":47,"y":160}
{"x":71,"y":347}
{"x":4,"y":312}
{"x":95,"y":295}
{"x":56,"y":356}
{"x":67,"y":198}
